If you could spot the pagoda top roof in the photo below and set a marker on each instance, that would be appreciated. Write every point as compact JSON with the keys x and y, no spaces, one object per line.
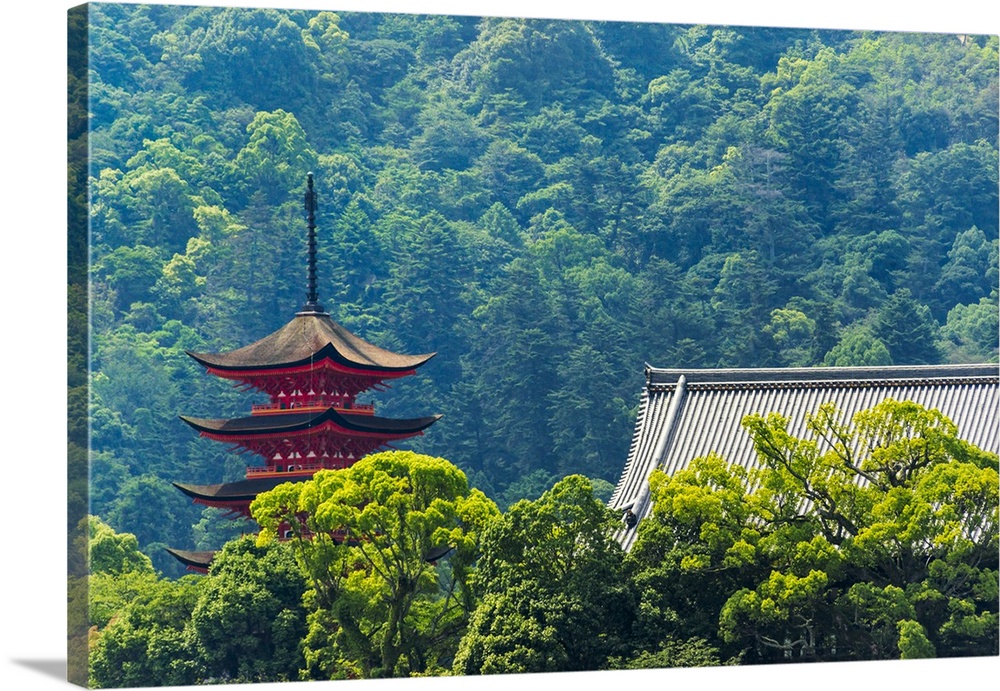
{"x":297,"y":422}
{"x":308,"y":338}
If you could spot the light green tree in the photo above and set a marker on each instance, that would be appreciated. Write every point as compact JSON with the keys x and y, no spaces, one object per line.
{"x":145,"y":643}
{"x":793,"y":333}
{"x":388,"y":548}
{"x":114,"y":553}
{"x":879,"y":544}
{"x":138,"y":622}
{"x":131,"y":272}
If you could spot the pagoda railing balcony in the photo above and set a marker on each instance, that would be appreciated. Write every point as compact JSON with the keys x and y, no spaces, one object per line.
{"x":298,"y":469}
{"x":309,"y":405}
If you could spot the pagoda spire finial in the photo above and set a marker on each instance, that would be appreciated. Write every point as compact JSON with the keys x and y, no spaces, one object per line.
{"x":311,"y":305}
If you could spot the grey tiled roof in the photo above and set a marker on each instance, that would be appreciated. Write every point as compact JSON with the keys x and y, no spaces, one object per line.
{"x":686,"y":414}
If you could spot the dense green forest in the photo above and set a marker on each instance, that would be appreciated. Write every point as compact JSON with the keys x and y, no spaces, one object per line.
{"x":545,"y":204}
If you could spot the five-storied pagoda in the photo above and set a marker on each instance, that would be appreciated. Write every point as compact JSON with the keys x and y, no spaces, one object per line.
{"x":312,"y":369}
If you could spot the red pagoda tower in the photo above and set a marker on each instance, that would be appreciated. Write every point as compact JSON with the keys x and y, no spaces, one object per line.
{"x":312,"y":369}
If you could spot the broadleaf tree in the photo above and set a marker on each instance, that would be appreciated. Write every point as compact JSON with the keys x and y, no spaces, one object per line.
{"x":552,"y":587}
{"x":879,"y":543}
{"x":388,"y":547}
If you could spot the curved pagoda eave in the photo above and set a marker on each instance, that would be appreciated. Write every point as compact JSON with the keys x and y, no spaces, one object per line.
{"x":239,"y":491}
{"x":307,"y":340}
{"x":194,"y":560}
{"x":308,"y":423}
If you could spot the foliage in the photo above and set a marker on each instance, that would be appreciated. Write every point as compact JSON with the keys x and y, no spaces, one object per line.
{"x":249,"y":620}
{"x":858,"y":347}
{"x":969,"y":331}
{"x":553,"y":593}
{"x":119,"y":572}
{"x":870,"y":539}
{"x":672,"y":653}
{"x":907,"y":329}
{"x":145,"y":643}
{"x":388,"y":547}
{"x":243,"y":622}
{"x":114,"y":553}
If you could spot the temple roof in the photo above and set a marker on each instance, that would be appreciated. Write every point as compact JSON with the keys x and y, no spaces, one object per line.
{"x":241,"y":490}
{"x":298,"y":422}
{"x":306,"y":339}
{"x":687,"y":414}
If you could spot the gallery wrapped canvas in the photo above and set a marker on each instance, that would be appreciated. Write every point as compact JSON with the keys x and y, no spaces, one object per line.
{"x":360,"y":311}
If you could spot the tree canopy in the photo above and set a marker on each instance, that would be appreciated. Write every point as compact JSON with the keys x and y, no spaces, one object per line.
{"x":388,"y":547}
{"x":881,"y":546}
{"x":553,"y":592}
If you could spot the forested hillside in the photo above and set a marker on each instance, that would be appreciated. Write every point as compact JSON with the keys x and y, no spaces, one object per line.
{"x":545,"y":204}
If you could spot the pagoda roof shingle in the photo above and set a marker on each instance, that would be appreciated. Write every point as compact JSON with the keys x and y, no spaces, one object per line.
{"x":308,"y":338}
{"x":296,"y":422}
{"x":241,"y":490}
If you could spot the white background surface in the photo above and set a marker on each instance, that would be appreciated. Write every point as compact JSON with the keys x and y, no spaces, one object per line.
{"x":32,"y":335}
